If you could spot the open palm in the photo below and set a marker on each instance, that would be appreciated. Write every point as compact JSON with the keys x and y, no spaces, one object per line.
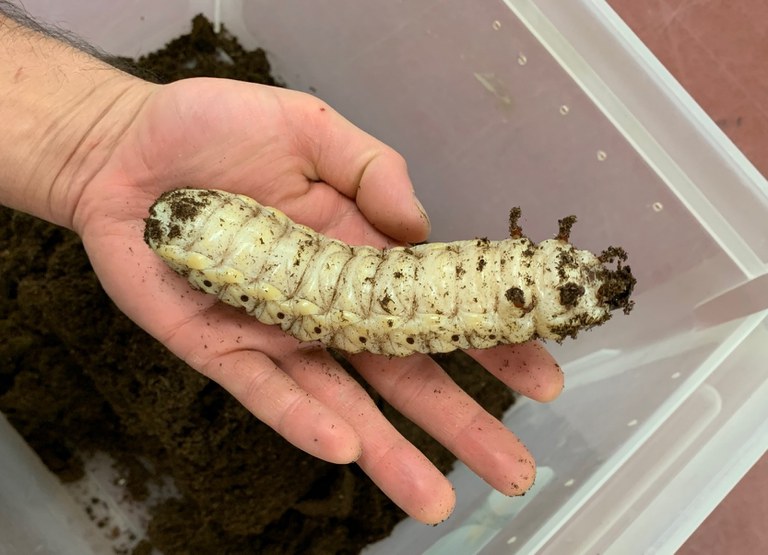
{"x":290,"y":150}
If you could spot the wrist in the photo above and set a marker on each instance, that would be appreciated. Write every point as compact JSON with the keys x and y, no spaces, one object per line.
{"x":62,"y":111}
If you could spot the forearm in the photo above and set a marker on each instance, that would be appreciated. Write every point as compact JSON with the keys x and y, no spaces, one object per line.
{"x":63,"y":111}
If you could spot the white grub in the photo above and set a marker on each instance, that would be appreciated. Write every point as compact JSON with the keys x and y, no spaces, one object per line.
{"x":430,"y":298}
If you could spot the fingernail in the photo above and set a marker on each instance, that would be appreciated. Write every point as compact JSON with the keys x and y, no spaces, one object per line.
{"x":423,"y":212}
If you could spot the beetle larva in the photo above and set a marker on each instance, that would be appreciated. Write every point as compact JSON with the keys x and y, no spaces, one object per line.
{"x":430,"y":298}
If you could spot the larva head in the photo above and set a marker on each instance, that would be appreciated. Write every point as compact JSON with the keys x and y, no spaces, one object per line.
{"x":169,"y":214}
{"x":618,"y":283}
{"x":173,"y":219}
{"x":578,"y":290}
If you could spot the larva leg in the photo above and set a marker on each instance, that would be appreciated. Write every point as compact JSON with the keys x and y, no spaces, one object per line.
{"x":430,"y":298}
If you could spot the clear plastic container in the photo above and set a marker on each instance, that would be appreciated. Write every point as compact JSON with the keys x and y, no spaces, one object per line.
{"x":558,"y":108}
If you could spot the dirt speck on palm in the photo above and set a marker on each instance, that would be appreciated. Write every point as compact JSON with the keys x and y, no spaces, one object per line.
{"x":76,"y":376}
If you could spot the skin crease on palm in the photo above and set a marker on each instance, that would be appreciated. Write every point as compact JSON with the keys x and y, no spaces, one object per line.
{"x":111,"y":144}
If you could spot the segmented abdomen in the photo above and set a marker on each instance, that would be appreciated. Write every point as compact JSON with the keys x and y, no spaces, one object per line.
{"x":430,"y":298}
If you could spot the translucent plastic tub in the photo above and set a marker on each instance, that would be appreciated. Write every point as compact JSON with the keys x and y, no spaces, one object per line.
{"x":556,"y":107}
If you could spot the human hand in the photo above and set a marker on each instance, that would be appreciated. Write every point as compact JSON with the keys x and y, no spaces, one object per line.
{"x":290,"y":150}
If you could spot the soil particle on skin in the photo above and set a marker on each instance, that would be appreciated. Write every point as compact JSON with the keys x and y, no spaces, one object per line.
{"x":77,"y":376}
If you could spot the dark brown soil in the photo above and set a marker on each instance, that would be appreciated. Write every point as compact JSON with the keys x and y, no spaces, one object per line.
{"x":77,"y":376}
{"x":202,"y":53}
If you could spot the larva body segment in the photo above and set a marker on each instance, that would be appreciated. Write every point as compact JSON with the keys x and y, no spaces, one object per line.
{"x":430,"y":298}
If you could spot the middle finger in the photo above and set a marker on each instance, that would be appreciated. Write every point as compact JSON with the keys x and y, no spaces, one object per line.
{"x":398,"y":468}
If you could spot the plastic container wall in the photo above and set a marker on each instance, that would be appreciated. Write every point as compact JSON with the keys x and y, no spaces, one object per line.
{"x":36,"y":513}
{"x":557,"y":108}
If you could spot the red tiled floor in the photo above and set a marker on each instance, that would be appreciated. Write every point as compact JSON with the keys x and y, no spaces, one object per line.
{"x":738,"y":525}
{"x":718,"y":50}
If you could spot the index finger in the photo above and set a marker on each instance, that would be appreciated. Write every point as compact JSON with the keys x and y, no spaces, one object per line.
{"x":362,"y":168}
{"x":527,"y":368}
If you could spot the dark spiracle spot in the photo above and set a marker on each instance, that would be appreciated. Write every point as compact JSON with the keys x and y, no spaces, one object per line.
{"x":410,"y":340}
{"x":317,"y":329}
{"x":362,"y":339}
{"x":207,"y":283}
{"x":244,"y":298}
{"x":280,"y":315}
{"x":515,"y":296}
{"x":570,"y":293}
{"x":492,"y":337}
{"x":454,"y":337}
